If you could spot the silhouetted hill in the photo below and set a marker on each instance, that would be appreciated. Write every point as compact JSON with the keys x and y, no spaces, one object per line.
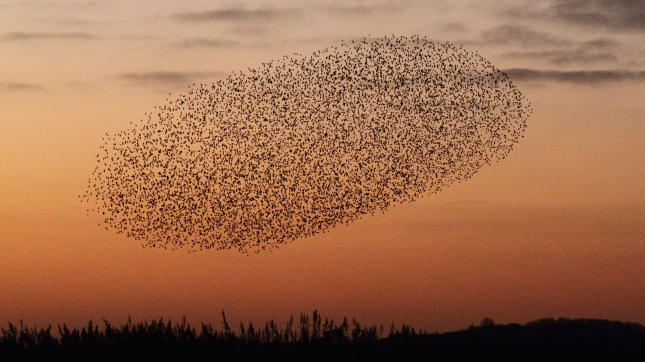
{"x":317,"y":339}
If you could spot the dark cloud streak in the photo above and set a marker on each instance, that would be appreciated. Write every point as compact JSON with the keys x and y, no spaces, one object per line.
{"x":65,"y":5}
{"x":236,"y":14}
{"x":25,"y":36}
{"x":166,"y":77}
{"x":206,"y":43}
{"x":510,"y":34}
{"x":517,"y":34}
{"x":382,"y":7}
{"x":576,"y":77}
{"x":242,"y":14}
{"x":67,"y":21}
{"x":561,"y":57}
{"x":621,"y":15}
{"x":20,"y":87}
{"x":585,"y":52}
{"x":617,"y":14}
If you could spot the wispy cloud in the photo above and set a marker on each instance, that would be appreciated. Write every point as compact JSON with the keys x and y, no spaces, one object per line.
{"x":206,"y":43}
{"x":562,"y":57}
{"x":245,"y":14}
{"x":600,"y":44}
{"x":452,"y":27}
{"x":511,"y":34}
{"x":464,"y":203}
{"x":625,"y":15}
{"x":166,"y":78}
{"x":66,"y":5}
{"x":19,"y":87}
{"x":365,"y":8}
{"x":26,"y":36}
{"x":237,"y":14}
{"x":576,"y":76}
{"x":251,"y":29}
{"x":79,"y":84}
{"x":539,"y":45}
{"x":619,"y":14}
{"x":586,"y":52}
{"x":67,"y":21}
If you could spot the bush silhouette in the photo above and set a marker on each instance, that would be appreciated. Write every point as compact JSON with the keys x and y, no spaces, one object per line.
{"x":315,"y":338}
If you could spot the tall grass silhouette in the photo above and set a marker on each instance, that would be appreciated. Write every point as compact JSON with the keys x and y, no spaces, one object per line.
{"x":314,"y":338}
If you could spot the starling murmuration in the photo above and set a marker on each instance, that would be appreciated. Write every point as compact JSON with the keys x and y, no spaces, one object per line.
{"x":301,"y":144}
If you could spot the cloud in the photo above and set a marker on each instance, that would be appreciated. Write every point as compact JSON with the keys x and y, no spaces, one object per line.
{"x":67,"y":21}
{"x":251,"y":29}
{"x":363,"y":9}
{"x":19,"y":87}
{"x":165,"y":78}
{"x":623,"y":15}
{"x":243,"y":14}
{"x":601,"y":44}
{"x":79,"y":84}
{"x":547,"y":47}
{"x":564,"y":57}
{"x":453,"y":27}
{"x":237,"y":14}
{"x":468,"y":203}
{"x":206,"y":43}
{"x":137,"y":37}
{"x":576,"y":76}
{"x":581,"y":52}
{"x":24,"y":36}
{"x":509,"y":34}
{"x":66,"y":5}
{"x":619,"y":14}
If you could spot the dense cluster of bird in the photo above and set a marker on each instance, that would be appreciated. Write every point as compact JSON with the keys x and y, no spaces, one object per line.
{"x":304,"y":143}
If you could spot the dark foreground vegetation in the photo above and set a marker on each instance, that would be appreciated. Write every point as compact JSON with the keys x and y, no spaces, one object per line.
{"x":312,"y":338}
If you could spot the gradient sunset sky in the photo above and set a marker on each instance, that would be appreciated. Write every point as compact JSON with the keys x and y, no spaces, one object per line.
{"x":556,"y":229}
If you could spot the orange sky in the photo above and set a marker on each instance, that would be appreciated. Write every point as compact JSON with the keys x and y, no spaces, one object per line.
{"x":556,"y":229}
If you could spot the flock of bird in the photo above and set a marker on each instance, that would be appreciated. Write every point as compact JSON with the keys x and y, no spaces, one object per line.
{"x":304,"y":143}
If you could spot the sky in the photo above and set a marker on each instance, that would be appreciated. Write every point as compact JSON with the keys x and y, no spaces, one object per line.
{"x":554,"y":230}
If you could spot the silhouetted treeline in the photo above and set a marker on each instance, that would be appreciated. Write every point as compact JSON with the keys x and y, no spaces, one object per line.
{"x":312,"y":338}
